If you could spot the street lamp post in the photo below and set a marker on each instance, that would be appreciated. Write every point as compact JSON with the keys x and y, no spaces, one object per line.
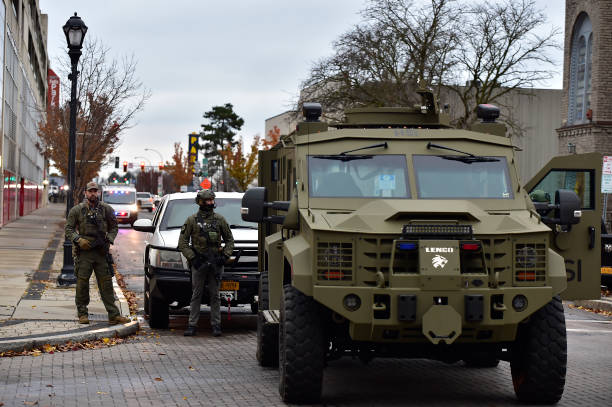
{"x":75,"y":30}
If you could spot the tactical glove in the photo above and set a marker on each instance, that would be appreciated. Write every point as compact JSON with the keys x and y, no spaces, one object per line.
{"x":84,"y":243}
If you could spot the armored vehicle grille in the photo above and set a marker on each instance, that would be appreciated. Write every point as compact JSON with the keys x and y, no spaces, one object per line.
{"x":496,"y":252}
{"x":529,"y":262}
{"x":335,"y":261}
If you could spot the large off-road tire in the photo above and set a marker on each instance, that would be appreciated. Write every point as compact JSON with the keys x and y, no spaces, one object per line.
{"x":267,"y":335}
{"x":301,"y":348}
{"x":539,"y":356}
{"x":158,"y":313}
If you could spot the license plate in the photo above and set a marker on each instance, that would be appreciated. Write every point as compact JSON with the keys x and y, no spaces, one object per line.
{"x":606,"y":270}
{"x":230,"y":285}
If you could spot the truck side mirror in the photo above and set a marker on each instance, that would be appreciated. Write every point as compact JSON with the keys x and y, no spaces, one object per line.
{"x":253,"y":202}
{"x":567,"y":207}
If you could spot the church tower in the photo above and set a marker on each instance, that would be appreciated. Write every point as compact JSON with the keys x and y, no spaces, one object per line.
{"x":587,"y":78}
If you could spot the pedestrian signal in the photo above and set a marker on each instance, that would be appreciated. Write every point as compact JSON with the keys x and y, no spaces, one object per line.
{"x":116,"y":162}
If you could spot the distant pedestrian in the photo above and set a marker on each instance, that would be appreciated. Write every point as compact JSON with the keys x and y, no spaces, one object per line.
{"x":97,"y":229}
{"x":204,"y":230}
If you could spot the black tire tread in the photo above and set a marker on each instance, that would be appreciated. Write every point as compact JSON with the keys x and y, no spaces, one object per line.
{"x":267,"y":334}
{"x":539,"y":360}
{"x":302,"y":351}
{"x":158,"y":313}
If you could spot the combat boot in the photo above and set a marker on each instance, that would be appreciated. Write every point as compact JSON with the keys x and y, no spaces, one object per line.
{"x":190,"y":331}
{"x":216,"y":330}
{"x":118,"y":320}
{"x":83,"y":319}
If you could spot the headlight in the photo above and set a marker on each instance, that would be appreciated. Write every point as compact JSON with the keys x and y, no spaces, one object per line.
{"x":168,"y":259}
{"x":134,"y":208}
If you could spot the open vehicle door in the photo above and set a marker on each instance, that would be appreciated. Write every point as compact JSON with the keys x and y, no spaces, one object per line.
{"x":580,"y":244}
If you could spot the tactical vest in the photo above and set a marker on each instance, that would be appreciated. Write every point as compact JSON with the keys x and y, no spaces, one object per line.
{"x":92,"y":220}
{"x":207,"y":234}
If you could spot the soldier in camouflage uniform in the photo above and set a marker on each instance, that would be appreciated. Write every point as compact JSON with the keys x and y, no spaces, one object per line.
{"x":206,"y":256}
{"x":97,"y":229}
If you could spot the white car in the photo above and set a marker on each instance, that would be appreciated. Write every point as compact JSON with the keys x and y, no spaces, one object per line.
{"x":145,"y":200}
{"x":167,"y":280}
{"x":122,"y":198}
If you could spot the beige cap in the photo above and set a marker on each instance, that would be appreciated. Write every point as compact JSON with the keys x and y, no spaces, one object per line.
{"x":92,"y":185}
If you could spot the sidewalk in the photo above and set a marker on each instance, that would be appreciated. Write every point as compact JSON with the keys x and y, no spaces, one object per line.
{"x":34,"y":311}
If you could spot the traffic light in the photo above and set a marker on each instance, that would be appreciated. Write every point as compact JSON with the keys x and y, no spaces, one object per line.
{"x":161,"y":166}
{"x":142,"y":165}
{"x":125,"y":166}
{"x":116,"y":162}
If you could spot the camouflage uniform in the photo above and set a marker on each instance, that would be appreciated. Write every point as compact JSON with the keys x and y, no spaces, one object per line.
{"x":205,"y":229}
{"x":86,"y":219}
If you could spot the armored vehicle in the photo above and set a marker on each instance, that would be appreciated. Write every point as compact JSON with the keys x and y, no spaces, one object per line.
{"x":392,"y":234}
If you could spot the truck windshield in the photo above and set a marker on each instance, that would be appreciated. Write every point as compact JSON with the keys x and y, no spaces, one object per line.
{"x":178,"y":210}
{"x":439,"y":177}
{"x":362,"y":176}
{"x":118,"y":196}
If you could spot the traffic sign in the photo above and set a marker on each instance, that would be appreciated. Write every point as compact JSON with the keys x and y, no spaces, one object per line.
{"x":205,"y":184}
{"x":606,"y":176}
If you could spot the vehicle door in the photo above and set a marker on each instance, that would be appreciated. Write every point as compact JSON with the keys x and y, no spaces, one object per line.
{"x":581,"y":245}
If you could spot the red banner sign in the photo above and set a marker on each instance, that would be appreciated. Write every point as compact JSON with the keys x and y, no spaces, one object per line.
{"x":53,"y":92}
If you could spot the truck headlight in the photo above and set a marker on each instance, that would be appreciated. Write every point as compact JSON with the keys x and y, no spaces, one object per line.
{"x":168,"y":259}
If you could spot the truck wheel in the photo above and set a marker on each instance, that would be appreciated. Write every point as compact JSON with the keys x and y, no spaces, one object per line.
{"x":301,"y":348}
{"x":264,"y":291}
{"x":539,"y":356}
{"x":254,"y":307}
{"x":267,"y":342}
{"x":146,"y":295}
{"x":158,"y":313}
{"x":267,"y":334}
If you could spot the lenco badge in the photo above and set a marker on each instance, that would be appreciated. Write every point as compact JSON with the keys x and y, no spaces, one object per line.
{"x":438,"y":250}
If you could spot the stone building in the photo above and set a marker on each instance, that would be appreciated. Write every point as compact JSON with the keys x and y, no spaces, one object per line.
{"x":23,"y":76}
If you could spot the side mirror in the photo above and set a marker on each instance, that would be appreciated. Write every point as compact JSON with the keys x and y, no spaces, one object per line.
{"x":144,"y":225}
{"x":253,"y":202}
{"x":255,"y":208}
{"x":567,"y":209}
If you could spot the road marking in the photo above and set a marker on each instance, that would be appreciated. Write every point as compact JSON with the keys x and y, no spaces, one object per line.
{"x":599,"y":331}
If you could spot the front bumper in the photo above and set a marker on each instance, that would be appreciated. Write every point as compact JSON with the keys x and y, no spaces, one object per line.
{"x":413,"y":315}
{"x":172,"y":285}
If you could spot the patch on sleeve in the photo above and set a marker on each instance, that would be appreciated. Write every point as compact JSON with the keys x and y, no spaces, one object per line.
{"x":183,"y":230}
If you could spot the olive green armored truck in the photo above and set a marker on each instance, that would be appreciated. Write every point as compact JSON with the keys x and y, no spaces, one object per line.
{"x":392,"y":234}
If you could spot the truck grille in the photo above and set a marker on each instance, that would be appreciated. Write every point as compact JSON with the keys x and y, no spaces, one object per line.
{"x":529,"y":262}
{"x":335,"y":261}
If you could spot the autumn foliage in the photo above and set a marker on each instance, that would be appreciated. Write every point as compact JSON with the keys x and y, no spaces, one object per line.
{"x":240,"y":166}
{"x":272,"y":138}
{"x":179,"y":168}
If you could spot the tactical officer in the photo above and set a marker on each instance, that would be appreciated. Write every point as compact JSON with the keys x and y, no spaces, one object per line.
{"x":97,"y":229}
{"x":206,"y":255}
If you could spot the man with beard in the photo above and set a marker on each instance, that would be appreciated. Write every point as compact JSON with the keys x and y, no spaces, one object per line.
{"x":97,"y":229}
{"x":204,"y":230}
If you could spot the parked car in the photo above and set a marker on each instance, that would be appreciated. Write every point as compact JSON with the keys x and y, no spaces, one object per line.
{"x":167,"y":282}
{"x":123,"y":200}
{"x":145,"y":200}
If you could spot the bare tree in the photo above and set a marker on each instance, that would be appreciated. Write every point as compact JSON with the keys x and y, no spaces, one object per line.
{"x":478,"y":52}
{"x":500,"y":52}
{"x":109,"y":97}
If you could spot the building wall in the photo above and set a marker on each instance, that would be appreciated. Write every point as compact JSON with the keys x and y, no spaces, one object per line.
{"x":24,"y":79}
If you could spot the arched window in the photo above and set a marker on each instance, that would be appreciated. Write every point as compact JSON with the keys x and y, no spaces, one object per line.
{"x":580,"y":70}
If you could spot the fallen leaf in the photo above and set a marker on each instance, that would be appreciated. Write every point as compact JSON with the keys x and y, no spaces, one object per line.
{"x":101,"y":392}
{"x":49,"y":385}
{"x":162,"y":354}
{"x":34,"y":306}
{"x":106,"y":340}
{"x":184,"y":398}
{"x":30,"y":403}
{"x":159,"y":379}
{"x":191,"y":368}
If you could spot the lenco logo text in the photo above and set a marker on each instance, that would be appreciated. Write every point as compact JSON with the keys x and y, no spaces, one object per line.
{"x":438,"y":250}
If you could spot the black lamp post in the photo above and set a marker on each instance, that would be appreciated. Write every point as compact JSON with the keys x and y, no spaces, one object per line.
{"x":75,"y":30}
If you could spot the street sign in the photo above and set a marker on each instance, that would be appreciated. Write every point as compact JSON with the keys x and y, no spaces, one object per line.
{"x":183,"y":188}
{"x":205,"y":184}
{"x":606,"y":175}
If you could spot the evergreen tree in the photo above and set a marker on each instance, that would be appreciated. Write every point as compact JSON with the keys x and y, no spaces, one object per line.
{"x":218,"y":134}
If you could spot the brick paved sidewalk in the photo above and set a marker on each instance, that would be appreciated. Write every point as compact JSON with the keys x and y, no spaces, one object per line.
{"x":34,"y":310}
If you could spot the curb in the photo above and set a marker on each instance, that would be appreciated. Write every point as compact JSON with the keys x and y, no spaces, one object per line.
{"x":124,"y":307}
{"x":54,"y":340}
{"x":597,"y":305}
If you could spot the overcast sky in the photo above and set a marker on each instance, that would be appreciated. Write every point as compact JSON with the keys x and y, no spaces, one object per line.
{"x":196,"y":54}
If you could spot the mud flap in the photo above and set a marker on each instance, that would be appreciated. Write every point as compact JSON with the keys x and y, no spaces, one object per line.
{"x":441,"y":324}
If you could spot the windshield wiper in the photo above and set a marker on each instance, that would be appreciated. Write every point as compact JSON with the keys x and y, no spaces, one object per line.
{"x":242,"y":227}
{"x":468,"y":159}
{"x":343,"y":157}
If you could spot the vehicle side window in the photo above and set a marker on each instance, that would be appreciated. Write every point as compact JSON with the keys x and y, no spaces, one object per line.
{"x":580,"y":181}
{"x":158,"y":212}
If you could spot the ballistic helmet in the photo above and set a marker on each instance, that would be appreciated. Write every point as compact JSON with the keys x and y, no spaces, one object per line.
{"x":203,"y":195}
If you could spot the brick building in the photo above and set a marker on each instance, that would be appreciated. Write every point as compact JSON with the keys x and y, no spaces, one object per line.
{"x":587,"y":79}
